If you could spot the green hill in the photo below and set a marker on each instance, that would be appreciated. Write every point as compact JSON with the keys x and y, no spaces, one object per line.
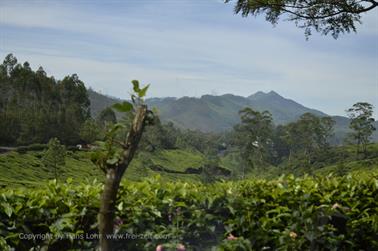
{"x":220,"y":113}
{"x":27,"y":169}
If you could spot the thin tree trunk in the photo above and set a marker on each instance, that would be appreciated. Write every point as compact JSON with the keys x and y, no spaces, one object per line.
{"x":113,"y":178}
{"x":106,"y":215}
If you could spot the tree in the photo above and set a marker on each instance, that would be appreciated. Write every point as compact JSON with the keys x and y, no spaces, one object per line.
{"x":90,"y":131}
{"x":281,"y":148}
{"x":107,"y":116}
{"x":115,"y":156}
{"x":253,"y":135}
{"x":35,"y":108}
{"x":361,"y":115}
{"x":208,"y":174}
{"x":324,"y":16}
{"x":54,"y":156}
{"x":9,"y":63}
{"x":308,"y":136}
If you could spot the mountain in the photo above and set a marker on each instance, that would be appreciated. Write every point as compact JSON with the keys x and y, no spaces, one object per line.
{"x":283,"y":110}
{"x":99,"y":101}
{"x":219,"y":113}
{"x":211,"y":113}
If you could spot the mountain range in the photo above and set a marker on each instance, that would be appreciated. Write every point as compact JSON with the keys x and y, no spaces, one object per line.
{"x":211,"y":113}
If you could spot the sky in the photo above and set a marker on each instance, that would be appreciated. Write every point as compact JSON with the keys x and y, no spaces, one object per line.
{"x":191,"y":48}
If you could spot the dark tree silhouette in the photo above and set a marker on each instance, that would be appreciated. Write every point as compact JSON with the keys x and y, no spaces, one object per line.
{"x":324,"y":16}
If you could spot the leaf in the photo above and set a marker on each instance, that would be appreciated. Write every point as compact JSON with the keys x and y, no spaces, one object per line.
{"x":114,"y":129}
{"x":120,"y":206}
{"x":69,"y":180}
{"x":135,"y":86}
{"x":232,"y":210}
{"x":7,"y":209}
{"x":157,"y":213}
{"x":123,"y":107}
{"x":143,"y":91}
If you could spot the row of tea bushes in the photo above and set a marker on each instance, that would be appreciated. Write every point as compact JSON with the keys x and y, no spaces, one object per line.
{"x":327,"y":213}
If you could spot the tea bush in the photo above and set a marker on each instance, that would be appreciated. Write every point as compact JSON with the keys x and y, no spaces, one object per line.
{"x":327,"y":213}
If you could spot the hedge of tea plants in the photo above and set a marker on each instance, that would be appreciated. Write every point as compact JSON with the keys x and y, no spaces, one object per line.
{"x":325,"y":213}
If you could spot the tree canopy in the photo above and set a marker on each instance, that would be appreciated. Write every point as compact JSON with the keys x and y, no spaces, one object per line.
{"x":253,"y":135}
{"x":54,"y":156}
{"x":323,"y":16}
{"x":361,"y":115}
{"x":35,"y":107}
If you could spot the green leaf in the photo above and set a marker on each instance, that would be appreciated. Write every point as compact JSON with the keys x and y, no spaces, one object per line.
{"x":7,"y":209}
{"x":120,"y":206}
{"x":69,"y":180}
{"x":136,"y":86}
{"x":157,"y":213}
{"x":115,"y":128}
{"x":143,"y":91}
{"x":123,"y":107}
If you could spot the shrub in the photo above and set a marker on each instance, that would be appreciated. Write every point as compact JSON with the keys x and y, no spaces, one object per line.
{"x":328,"y":213}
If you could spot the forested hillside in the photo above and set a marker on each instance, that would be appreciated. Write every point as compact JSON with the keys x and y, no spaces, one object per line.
{"x":35,"y":107}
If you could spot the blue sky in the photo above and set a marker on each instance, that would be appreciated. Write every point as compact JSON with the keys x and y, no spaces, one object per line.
{"x":191,"y":48}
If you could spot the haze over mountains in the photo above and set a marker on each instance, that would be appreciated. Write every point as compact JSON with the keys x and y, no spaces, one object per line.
{"x":211,"y":113}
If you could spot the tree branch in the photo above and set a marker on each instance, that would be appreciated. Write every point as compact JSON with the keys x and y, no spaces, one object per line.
{"x":114,"y":175}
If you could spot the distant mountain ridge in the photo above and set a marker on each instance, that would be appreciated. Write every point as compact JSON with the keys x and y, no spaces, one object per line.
{"x":211,"y":113}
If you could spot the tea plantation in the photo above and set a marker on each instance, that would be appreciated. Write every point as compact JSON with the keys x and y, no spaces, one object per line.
{"x":309,"y":213}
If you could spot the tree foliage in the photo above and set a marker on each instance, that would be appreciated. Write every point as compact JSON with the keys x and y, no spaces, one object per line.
{"x":90,"y":131}
{"x":54,"y":156}
{"x":324,"y":16}
{"x":361,"y":115}
{"x":107,"y":117}
{"x":308,"y":137}
{"x":253,"y":135}
{"x":35,"y":107}
{"x":298,"y":143}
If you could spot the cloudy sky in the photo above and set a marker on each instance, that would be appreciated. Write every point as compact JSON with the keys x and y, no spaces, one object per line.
{"x":191,"y":48}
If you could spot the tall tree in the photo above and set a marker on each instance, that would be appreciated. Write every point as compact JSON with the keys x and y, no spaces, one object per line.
{"x":9,"y":63}
{"x":54,"y":156}
{"x":90,"y":131}
{"x":361,"y":115}
{"x":116,"y":156}
{"x":281,"y":148}
{"x":254,"y":136}
{"x":107,"y":116}
{"x":324,"y":16}
{"x":308,"y":136}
